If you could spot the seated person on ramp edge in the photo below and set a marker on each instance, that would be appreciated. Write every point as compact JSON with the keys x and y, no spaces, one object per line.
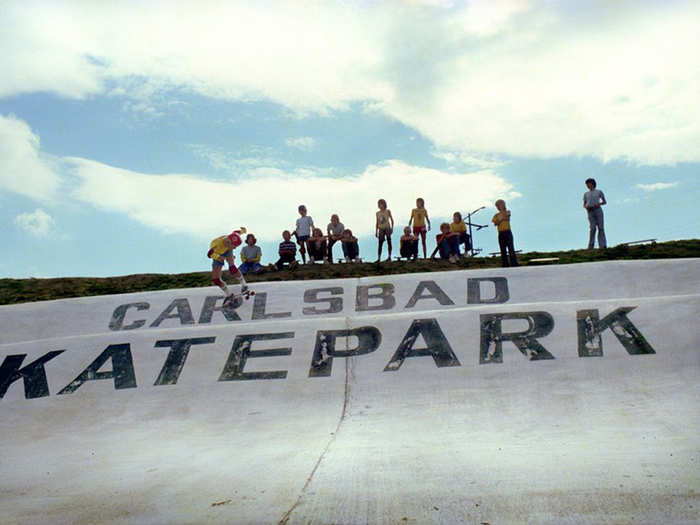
{"x":221,"y":249}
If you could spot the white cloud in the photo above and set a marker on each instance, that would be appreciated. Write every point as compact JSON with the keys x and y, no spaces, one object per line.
{"x":177,"y":203}
{"x":657,"y":186}
{"x":184,"y":204}
{"x":465,"y":159}
{"x":487,"y":18}
{"x":555,"y":85}
{"x":23,"y":169}
{"x":301,"y":143}
{"x":612,"y":80}
{"x":240,"y":162}
{"x":38,"y":223}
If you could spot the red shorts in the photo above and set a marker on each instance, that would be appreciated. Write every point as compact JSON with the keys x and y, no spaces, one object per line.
{"x":419,"y":229}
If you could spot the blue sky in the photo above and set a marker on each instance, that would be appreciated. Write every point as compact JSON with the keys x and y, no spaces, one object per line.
{"x":132,"y":134}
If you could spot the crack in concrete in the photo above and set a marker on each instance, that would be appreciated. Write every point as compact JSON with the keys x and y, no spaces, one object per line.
{"x":287,"y":515}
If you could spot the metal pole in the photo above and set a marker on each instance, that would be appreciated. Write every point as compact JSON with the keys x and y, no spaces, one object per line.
{"x":479,"y":226}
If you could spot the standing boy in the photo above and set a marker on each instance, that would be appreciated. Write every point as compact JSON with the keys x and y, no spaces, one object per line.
{"x":505,"y":235}
{"x":593,"y":199}
{"x":302,"y":232}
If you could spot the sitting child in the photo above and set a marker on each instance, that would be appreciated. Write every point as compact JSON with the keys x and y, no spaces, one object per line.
{"x":408,"y":245}
{"x":447,"y":243}
{"x":250,"y":255}
{"x":287,"y":251}
{"x":335,"y":233}
{"x":351,"y":250}
{"x":458,"y":226}
{"x":317,"y":245}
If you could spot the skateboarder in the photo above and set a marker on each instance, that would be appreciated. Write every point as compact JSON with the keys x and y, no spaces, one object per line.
{"x":221,"y":249}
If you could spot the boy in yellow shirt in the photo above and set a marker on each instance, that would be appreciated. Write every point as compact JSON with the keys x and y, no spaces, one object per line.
{"x":505,"y":236}
{"x":220,"y":250}
{"x":460,"y":227}
{"x":419,"y":216}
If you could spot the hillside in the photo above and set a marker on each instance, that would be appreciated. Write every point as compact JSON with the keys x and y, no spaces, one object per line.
{"x":14,"y":291}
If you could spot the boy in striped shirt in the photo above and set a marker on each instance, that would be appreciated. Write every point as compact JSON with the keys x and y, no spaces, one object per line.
{"x":287,"y":251}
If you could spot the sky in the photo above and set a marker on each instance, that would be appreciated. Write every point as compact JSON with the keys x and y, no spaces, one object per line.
{"x":133,"y":133}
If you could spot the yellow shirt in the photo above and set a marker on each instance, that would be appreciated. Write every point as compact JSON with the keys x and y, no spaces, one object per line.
{"x":220,"y":247}
{"x":418,"y":216}
{"x":459,"y":227}
{"x":504,"y":225}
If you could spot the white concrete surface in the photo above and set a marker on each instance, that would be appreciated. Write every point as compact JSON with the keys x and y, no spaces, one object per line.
{"x":607,"y":439}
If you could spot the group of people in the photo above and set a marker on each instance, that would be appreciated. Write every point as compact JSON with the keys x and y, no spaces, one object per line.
{"x":319,"y":247}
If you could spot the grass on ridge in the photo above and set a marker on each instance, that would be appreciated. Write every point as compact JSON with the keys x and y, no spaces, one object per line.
{"x":14,"y":291}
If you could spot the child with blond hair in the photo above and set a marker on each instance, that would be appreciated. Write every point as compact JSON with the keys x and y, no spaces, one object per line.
{"x":408,"y":246}
{"x":419,"y":218}
{"x":220,"y":250}
{"x":383,"y":228}
{"x":505,"y":235}
{"x":459,"y":227}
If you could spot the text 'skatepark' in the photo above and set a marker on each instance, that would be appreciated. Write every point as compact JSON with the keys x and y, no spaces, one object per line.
{"x":329,"y":344}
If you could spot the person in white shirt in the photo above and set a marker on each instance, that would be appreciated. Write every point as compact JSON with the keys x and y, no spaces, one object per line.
{"x":302,"y":232}
{"x":335,"y":231}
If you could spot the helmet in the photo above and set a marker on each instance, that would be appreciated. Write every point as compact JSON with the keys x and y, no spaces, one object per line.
{"x":235,"y":237}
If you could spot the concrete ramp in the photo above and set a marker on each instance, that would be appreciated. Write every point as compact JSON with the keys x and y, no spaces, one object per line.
{"x":563,"y":394}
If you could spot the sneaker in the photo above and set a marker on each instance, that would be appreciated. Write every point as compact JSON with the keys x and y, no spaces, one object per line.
{"x":244,"y":288}
{"x":319,"y":363}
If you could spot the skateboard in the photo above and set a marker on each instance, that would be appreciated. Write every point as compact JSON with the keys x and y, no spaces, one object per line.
{"x":236,"y":299}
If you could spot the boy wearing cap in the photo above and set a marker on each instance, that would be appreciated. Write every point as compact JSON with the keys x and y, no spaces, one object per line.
{"x":221,"y":249}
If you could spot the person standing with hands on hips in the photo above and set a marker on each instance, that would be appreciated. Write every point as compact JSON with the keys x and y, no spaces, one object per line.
{"x":505,"y":235}
{"x":419,"y":217}
{"x":593,"y":199}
